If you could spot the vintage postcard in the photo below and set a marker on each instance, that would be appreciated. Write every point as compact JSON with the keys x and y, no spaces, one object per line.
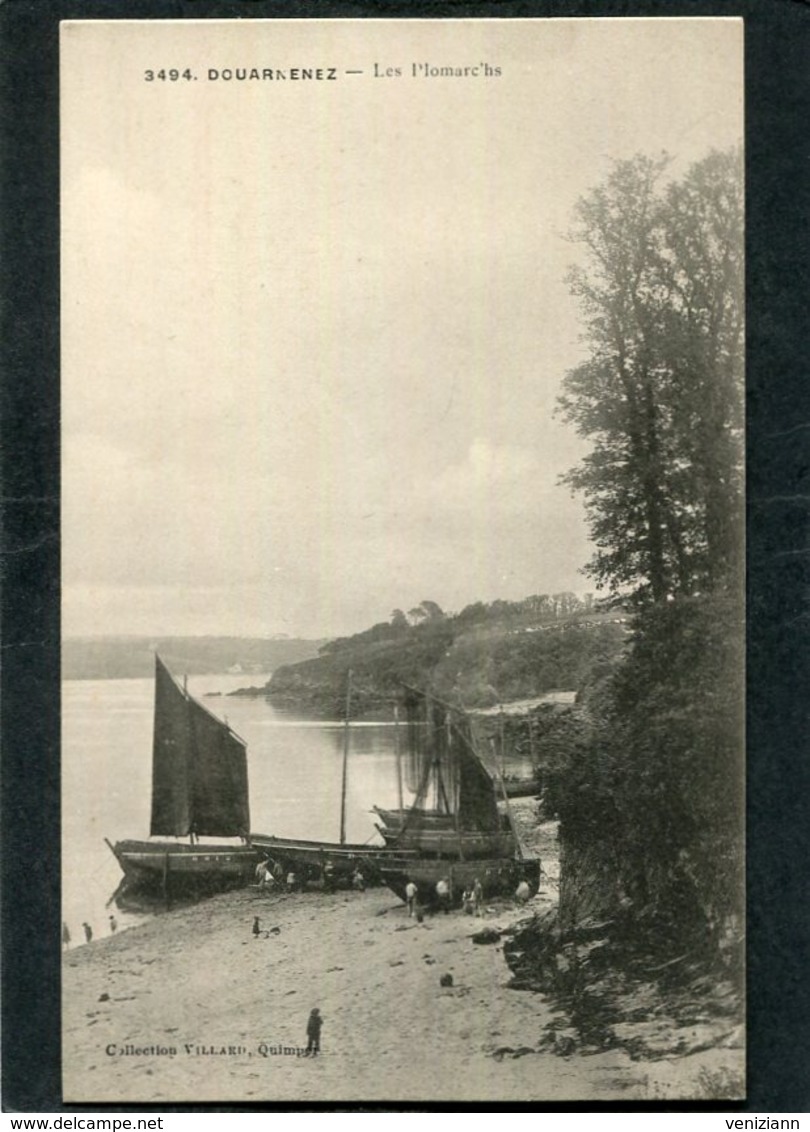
{"x":402,"y":482}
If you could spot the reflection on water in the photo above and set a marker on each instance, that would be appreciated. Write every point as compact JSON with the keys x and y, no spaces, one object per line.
{"x":294,"y":766}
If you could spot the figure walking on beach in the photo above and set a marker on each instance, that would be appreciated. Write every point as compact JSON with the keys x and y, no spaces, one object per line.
{"x":314,"y":1032}
{"x":113,"y":924}
{"x":256,"y":928}
{"x":411,"y":892}
{"x":88,"y":932}
{"x":65,"y":935}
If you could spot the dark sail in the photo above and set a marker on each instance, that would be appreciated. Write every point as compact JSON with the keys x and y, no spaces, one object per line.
{"x":171,"y":794}
{"x":219,"y":784}
{"x":477,"y":808}
{"x":199,"y":767}
{"x":444,"y":766}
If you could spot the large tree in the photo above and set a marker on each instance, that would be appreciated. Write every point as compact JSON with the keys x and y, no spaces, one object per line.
{"x":660,"y":393}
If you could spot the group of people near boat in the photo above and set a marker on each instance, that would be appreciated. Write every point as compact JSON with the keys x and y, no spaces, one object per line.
{"x":271,"y":875}
{"x":472,"y":898}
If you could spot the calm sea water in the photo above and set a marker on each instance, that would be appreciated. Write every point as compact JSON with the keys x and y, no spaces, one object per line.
{"x":294,"y":767}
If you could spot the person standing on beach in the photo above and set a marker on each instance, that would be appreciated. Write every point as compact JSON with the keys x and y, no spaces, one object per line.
{"x":411,"y":892}
{"x":65,"y":935}
{"x":443,"y":894}
{"x":477,"y":896}
{"x":88,"y":932}
{"x":256,"y":928}
{"x":314,"y":1032}
{"x":113,"y":924}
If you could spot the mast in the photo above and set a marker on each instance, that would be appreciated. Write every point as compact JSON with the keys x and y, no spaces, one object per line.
{"x":510,"y":817}
{"x":191,"y":835}
{"x":399,"y":758}
{"x":345,"y":758}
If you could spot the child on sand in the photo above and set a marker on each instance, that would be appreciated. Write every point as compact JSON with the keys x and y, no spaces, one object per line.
{"x":477,"y":896}
{"x":314,"y":1032}
{"x":411,"y":892}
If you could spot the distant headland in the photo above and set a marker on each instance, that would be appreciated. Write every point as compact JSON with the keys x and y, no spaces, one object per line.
{"x":120,"y":657}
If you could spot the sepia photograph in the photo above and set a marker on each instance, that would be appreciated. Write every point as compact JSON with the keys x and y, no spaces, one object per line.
{"x":403,"y":557}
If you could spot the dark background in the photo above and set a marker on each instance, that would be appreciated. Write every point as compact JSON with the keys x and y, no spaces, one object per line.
{"x":777,"y":53}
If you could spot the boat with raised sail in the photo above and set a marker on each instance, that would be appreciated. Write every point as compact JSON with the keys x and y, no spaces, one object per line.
{"x":454,"y":826}
{"x":199,"y":789}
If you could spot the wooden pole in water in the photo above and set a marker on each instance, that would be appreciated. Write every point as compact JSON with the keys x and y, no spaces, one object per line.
{"x":345,"y":758}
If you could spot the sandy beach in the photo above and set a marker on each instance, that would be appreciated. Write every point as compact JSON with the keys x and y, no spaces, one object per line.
{"x":192,"y":1007}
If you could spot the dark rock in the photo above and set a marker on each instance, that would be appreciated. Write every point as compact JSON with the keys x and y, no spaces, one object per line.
{"x":446,"y":981}
{"x":488,"y":935}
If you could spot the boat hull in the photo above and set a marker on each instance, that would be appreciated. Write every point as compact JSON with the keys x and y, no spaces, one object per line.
{"x":393,"y":820}
{"x":448,"y":843}
{"x":498,"y":877}
{"x":201,"y":866}
{"x":521,"y":788}
{"x":319,"y":860}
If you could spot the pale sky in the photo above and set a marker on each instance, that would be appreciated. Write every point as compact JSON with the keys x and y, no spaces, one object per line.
{"x":313,"y":332}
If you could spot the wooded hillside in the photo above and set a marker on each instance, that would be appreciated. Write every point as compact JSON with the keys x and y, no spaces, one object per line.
{"x":484,"y":655}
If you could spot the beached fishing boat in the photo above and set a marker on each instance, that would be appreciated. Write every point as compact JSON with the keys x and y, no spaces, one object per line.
{"x":498,"y":876}
{"x":199,"y":789}
{"x":445,"y":841}
{"x":325,"y":861}
{"x":428,"y":819}
{"x":454,"y":826}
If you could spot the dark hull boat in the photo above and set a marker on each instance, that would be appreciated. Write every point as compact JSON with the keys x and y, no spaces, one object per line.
{"x":454,"y":829}
{"x":325,"y":861}
{"x":432,"y":832}
{"x":449,"y":842}
{"x":181,"y":866}
{"x":499,"y":876}
{"x":394,"y":820}
{"x":199,"y":789}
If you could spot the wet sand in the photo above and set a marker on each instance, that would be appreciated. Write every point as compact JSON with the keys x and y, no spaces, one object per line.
{"x":234,"y":1008}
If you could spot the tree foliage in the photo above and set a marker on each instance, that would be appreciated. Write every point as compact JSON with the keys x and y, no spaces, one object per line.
{"x":651,"y":772}
{"x":660,"y":393}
